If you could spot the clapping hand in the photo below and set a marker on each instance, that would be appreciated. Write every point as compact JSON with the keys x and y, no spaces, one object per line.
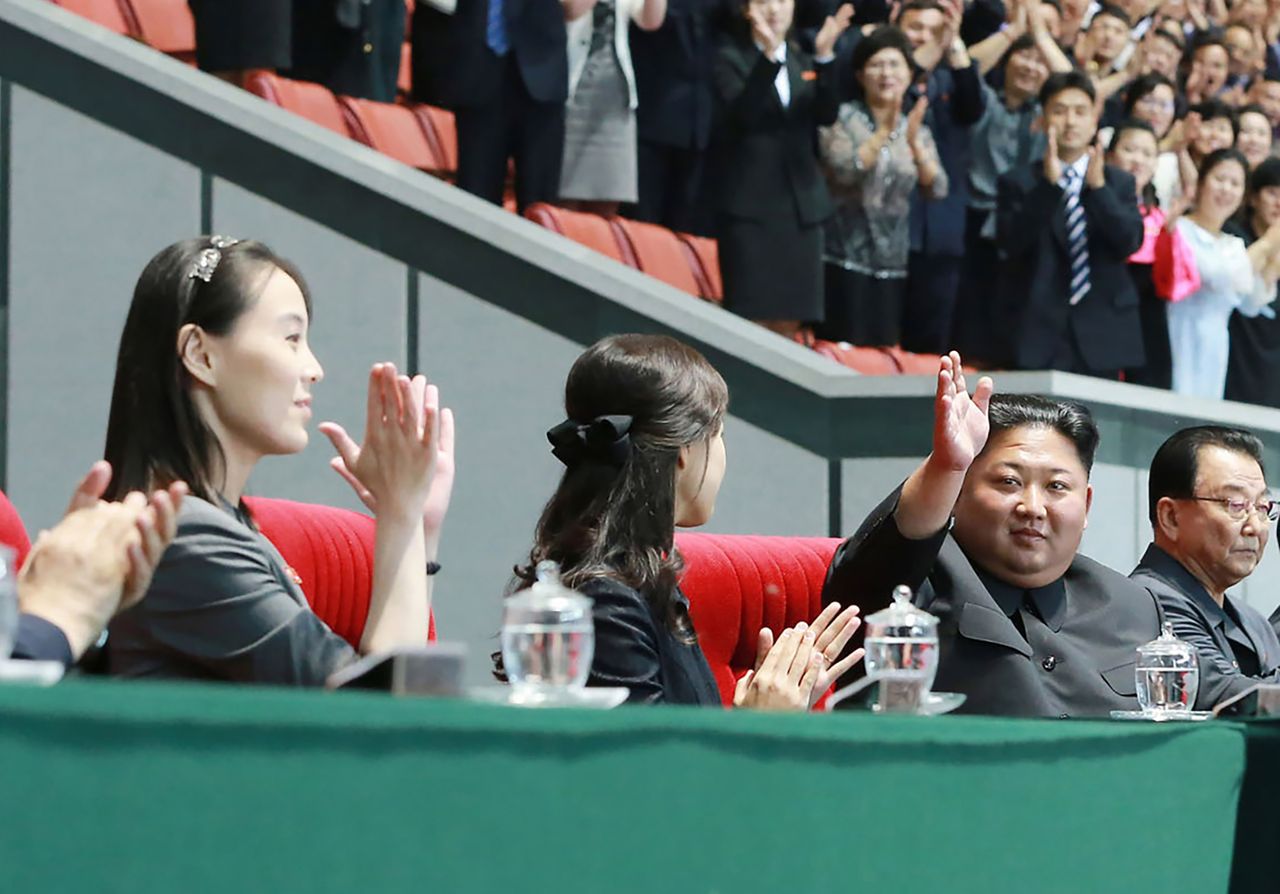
{"x":1095,"y":176}
{"x":794,"y":672}
{"x":761,"y":31}
{"x":394,"y":469}
{"x":915,"y":120}
{"x":960,"y":424}
{"x":437,"y":502}
{"x":1052,"y":164}
{"x":824,"y":45}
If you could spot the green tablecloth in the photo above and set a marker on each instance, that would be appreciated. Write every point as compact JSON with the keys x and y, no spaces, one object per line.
{"x":161,"y":788}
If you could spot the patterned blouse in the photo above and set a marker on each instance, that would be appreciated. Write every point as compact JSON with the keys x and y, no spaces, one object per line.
{"x":869,"y":232}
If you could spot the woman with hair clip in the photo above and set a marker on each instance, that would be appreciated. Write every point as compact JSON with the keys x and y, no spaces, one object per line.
{"x":643,"y":447}
{"x":214,"y":373}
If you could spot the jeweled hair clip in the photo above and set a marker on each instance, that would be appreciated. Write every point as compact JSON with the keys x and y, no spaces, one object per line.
{"x":209,"y":258}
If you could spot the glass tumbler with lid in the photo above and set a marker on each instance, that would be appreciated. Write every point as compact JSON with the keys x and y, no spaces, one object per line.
{"x":1167,"y":674}
{"x":902,"y":653}
{"x":548,"y":638}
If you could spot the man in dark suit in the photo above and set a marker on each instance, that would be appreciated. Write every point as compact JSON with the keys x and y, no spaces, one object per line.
{"x":1066,"y":228}
{"x":985,"y":532}
{"x":501,"y":66}
{"x":94,"y":563}
{"x":674,"y":68}
{"x":1212,"y":516}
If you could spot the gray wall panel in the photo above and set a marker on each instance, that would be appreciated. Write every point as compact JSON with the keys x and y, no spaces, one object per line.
{"x":358,"y":301}
{"x":770,"y":486}
{"x":504,"y":379}
{"x":867,"y":482}
{"x":89,"y":207}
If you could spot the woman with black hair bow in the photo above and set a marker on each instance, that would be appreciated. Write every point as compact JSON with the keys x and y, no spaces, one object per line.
{"x":644,"y":452}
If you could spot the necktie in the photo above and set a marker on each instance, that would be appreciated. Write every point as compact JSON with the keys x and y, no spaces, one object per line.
{"x":1077,"y":237}
{"x":496,"y":29}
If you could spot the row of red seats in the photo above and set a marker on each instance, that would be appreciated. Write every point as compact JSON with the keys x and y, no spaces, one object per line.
{"x":425,"y":138}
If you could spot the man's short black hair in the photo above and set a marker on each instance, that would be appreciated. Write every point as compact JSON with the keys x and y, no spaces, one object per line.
{"x":1171,"y":37}
{"x":1110,"y":9}
{"x":1174,"y":467}
{"x":1066,"y":80}
{"x":917,"y":6}
{"x":1068,"y":418}
{"x":1267,"y":173}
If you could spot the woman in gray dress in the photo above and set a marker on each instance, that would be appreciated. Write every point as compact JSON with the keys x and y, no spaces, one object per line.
{"x":874,"y":157}
{"x":214,"y":373}
{"x":598,"y":171}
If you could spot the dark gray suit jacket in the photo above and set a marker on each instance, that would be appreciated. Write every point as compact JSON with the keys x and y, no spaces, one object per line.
{"x":1078,"y":660}
{"x":222,"y":606}
{"x":1201,"y":622}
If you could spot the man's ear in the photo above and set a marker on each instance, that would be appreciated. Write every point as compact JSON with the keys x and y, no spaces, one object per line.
{"x":193,"y":350}
{"x":1088,"y":503}
{"x":1167,"y":518}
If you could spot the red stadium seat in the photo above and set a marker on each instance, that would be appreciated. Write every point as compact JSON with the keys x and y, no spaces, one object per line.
{"x":868,"y":361}
{"x":166,"y":25}
{"x":590,"y":230}
{"x":738,"y":584}
{"x":106,"y":13}
{"x":705,"y":254}
{"x":331,"y":551}
{"x":395,"y":131}
{"x":443,"y":131}
{"x":312,"y":101}
{"x":659,"y":253}
{"x":914,"y":364}
{"x":13,"y":533}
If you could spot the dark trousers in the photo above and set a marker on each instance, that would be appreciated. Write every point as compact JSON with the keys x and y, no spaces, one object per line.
{"x":671,"y":189}
{"x":512,"y":126}
{"x":979,"y":326}
{"x":930,"y":301}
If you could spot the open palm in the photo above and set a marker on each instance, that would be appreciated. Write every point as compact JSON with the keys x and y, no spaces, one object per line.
{"x":960,"y":424}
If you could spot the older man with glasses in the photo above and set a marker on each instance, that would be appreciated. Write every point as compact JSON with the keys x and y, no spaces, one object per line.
{"x":1212,"y":516}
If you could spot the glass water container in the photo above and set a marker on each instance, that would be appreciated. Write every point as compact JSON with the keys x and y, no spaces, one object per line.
{"x":902,"y":653}
{"x":548,"y":638}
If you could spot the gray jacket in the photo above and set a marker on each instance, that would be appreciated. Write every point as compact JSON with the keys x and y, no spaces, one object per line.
{"x":1076,"y":660}
{"x":223,"y":606}
{"x":1200,"y":621}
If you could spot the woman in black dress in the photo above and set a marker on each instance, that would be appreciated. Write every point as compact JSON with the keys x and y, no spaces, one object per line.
{"x":1253,"y":366}
{"x":643,"y":447}
{"x":771,"y":199}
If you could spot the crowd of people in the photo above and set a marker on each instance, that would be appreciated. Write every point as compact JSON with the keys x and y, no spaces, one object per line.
{"x":215,"y":372}
{"x":1063,"y":184}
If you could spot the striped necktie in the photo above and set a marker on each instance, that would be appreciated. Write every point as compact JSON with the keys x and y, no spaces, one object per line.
{"x":1077,"y":236}
{"x":496,"y":29}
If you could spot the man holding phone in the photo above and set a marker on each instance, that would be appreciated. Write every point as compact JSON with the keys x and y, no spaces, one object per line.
{"x":1066,"y":227}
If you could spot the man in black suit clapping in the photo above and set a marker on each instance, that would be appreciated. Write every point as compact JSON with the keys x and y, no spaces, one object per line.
{"x":502,"y":67}
{"x":1066,"y":228}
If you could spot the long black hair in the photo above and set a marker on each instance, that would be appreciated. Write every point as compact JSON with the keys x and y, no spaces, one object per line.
{"x":155,"y":434}
{"x":613,"y":513}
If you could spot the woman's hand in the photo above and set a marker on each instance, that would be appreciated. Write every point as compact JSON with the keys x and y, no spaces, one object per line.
{"x":915,"y":120}
{"x":824,"y":45}
{"x":832,"y":630}
{"x":437,"y":503}
{"x":398,"y":460}
{"x":785,"y":674}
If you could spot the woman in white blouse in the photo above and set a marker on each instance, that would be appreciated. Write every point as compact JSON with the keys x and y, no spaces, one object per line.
{"x":1232,"y":277}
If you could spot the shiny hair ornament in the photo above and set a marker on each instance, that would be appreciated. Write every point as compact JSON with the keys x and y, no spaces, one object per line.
{"x":208,"y":259}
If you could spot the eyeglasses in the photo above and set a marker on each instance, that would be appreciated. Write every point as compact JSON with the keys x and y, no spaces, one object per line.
{"x":1242,"y":509}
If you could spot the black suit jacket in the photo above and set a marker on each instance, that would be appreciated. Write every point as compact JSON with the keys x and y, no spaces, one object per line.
{"x":766,"y":157}
{"x":1200,"y":621}
{"x":453,"y":66}
{"x":674,"y":68}
{"x":1035,"y":275}
{"x":1078,"y":661}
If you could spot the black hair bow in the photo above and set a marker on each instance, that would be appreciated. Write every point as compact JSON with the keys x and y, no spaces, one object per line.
{"x":605,"y":439}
